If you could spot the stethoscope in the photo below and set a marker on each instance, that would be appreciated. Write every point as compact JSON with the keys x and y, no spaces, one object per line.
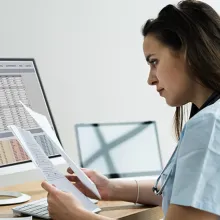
{"x":215,"y":96}
{"x":155,"y":187}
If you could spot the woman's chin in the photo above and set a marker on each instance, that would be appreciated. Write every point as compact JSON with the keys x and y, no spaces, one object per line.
{"x":171,"y":103}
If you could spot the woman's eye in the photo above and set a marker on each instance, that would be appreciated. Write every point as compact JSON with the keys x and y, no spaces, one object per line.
{"x":153,"y":62}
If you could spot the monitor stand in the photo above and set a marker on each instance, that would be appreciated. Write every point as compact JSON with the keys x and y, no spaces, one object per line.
{"x":17,"y":197}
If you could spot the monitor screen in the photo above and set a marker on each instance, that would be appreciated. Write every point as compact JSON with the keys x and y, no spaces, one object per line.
{"x":120,"y":149}
{"x":19,"y":80}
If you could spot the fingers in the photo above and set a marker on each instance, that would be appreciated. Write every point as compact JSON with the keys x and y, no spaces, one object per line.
{"x":69,"y":170}
{"x":48,"y":187}
{"x":86,"y":170}
{"x":72,"y":178}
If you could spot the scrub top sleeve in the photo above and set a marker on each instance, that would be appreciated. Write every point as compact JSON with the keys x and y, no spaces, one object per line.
{"x":197,"y":174}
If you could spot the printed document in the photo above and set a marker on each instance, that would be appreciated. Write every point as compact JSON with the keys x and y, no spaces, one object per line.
{"x":51,"y":174}
{"x":24,"y":218}
{"x":42,"y":121}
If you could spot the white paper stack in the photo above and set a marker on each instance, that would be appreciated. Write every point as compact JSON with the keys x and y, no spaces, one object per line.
{"x":51,"y":174}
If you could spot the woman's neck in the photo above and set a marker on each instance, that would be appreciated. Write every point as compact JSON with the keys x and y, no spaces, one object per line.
{"x":201,"y":95}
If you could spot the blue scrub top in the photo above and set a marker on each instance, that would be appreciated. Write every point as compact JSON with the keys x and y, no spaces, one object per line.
{"x":195,"y":177}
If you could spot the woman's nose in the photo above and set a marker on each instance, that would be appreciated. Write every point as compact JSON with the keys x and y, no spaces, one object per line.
{"x":152,"y":79}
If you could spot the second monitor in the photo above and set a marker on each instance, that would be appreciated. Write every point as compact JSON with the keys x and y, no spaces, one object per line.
{"x":118,"y":150}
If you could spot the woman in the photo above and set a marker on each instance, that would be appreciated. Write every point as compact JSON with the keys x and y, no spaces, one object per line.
{"x":182,"y":47}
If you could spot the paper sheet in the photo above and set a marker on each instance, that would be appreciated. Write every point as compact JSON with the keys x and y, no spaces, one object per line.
{"x":24,"y":218}
{"x":46,"y":127}
{"x":51,"y":174}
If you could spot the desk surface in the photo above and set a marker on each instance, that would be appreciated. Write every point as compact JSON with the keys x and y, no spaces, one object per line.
{"x":114,"y":209}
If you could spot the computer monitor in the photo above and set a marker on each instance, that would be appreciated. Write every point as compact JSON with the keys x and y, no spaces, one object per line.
{"x":20,"y":80}
{"x":119,"y":150}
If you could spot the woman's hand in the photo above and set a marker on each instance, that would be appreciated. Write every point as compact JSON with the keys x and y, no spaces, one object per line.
{"x":103,"y":184}
{"x":62,"y":205}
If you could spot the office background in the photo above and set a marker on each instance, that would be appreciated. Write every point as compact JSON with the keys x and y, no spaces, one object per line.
{"x":89,"y":56}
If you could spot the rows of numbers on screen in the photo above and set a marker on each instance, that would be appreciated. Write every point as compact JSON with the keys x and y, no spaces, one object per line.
{"x":12,"y":90}
{"x":12,"y":152}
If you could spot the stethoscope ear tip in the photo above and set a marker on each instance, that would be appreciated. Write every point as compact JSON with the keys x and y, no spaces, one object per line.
{"x":155,"y":190}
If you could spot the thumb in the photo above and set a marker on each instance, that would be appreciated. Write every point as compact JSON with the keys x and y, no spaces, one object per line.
{"x":48,"y":187}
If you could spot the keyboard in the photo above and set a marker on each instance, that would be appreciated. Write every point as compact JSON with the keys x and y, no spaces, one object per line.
{"x":36,"y":208}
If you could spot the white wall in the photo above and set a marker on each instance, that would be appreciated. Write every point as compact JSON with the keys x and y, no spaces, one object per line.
{"x":89,"y":55}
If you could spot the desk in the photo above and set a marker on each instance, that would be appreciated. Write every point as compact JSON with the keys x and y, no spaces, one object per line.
{"x":114,"y":209}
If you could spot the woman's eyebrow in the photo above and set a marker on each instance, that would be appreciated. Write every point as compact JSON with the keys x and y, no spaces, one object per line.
{"x":148,"y":57}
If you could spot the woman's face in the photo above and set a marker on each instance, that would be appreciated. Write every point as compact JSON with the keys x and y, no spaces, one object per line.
{"x":168,"y":72}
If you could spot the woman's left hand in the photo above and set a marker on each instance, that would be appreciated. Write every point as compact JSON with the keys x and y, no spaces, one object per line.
{"x":62,"y":205}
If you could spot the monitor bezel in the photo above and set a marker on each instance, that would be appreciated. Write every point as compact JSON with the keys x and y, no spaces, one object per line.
{"x":120,"y":175}
{"x":47,"y":106}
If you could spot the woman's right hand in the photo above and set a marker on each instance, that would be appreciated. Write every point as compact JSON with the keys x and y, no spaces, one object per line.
{"x":103,"y":184}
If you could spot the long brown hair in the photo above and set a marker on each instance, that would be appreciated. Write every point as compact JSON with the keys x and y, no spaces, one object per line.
{"x":192,"y":27}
